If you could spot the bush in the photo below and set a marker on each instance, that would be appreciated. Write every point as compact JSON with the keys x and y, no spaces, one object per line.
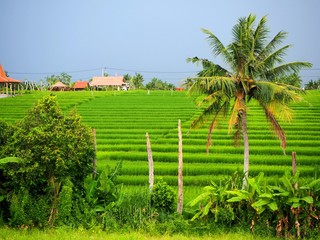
{"x":56,"y":153}
{"x":65,"y":203}
{"x":163,"y":197}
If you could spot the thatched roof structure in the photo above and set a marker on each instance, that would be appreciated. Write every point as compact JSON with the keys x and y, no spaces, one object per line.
{"x":58,"y":86}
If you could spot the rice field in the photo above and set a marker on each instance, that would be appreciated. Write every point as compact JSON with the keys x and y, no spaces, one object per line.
{"x":121,"y":120}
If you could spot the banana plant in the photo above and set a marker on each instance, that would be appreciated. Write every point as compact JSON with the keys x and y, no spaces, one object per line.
{"x":211,"y":200}
{"x":287,"y":201}
{"x":256,"y":186}
{"x":214,"y":199}
{"x":103,"y":193}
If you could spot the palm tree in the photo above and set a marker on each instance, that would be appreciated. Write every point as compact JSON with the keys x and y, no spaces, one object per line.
{"x":253,"y":63}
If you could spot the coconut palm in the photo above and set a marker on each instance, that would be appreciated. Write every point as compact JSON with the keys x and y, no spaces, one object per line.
{"x":253,"y":61}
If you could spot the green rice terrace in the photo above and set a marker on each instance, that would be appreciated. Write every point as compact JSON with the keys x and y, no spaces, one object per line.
{"x":121,"y":120}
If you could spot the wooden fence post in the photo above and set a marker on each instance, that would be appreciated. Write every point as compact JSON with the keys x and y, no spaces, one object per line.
{"x":94,"y":175}
{"x":150,"y":161}
{"x":180,"y":169}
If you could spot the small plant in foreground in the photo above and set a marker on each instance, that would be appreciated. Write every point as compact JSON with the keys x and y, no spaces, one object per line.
{"x":162,"y":197}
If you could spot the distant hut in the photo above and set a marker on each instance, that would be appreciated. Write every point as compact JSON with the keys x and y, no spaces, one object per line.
{"x":8,"y":82}
{"x":58,"y":86}
{"x":104,"y":82}
{"x":78,"y":86}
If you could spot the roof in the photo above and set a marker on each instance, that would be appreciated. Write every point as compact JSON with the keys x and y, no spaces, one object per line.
{"x":58,"y":85}
{"x":80,"y":85}
{"x":5,"y":79}
{"x":107,"y":81}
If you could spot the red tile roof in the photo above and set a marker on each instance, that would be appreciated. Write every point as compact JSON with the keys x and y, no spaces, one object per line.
{"x":80,"y":85}
{"x":5,"y":79}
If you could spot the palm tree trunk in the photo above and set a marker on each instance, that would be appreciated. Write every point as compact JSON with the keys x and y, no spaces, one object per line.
{"x":245,"y":150}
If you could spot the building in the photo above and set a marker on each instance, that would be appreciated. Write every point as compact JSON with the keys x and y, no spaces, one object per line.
{"x":105,"y":82}
{"x":80,"y":86}
{"x":9,"y":83}
{"x":59,"y":86}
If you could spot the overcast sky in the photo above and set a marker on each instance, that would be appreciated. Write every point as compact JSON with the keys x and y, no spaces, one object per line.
{"x":151,"y":37}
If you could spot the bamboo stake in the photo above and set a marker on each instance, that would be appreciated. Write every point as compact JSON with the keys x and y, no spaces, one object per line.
{"x":180,"y":169}
{"x":94,"y":175}
{"x":150,"y":161}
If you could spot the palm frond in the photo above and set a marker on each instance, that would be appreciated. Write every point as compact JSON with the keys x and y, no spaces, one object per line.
{"x":260,"y":36}
{"x":272,"y":45}
{"x":209,"y":85}
{"x":287,"y":68}
{"x":269,"y":61}
{"x":280,"y":110}
{"x":267,"y":92}
{"x":275,"y":126}
{"x":212,"y":125}
{"x":216,"y":45}
{"x":212,"y":108}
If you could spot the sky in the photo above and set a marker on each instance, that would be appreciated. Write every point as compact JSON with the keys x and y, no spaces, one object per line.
{"x":152,"y":37}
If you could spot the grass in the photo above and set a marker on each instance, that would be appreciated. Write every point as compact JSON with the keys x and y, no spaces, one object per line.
{"x":122,"y":119}
{"x":69,"y":234}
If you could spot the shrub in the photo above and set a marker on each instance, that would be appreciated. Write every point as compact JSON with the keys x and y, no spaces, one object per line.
{"x":54,"y":149}
{"x":163,"y":197}
{"x":65,"y":203}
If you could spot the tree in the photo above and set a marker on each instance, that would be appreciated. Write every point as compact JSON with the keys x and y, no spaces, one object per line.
{"x":158,"y":84}
{"x":138,"y":80}
{"x":187,"y":83}
{"x":313,"y":85}
{"x":63,"y":77}
{"x":54,"y":148}
{"x":155,"y":83}
{"x":253,"y":63}
{"x":292,"y":79}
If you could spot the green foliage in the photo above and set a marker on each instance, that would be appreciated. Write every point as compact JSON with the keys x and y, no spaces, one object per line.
{"x":63,"y":77}
{"x":293,"y":79}
{"x":27,"y":210}
{"x":162,"y":197}
{"x":213,"y":200}
{"x":65,"y":203}
{"x":18,"y":204}
{"x":53,"y":149}
{"x":5,"y":132}
{"x":157,"y":84}
{"x":253,"y":64}
{"x":288,"y":207}
{"x":104,"y":194}
{"x":134,"y":211}
{"x":136,"y":82}
{"x":311,"y":85}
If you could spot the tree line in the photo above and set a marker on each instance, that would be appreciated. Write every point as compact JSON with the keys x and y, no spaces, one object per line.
{"x":135,"y":82}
